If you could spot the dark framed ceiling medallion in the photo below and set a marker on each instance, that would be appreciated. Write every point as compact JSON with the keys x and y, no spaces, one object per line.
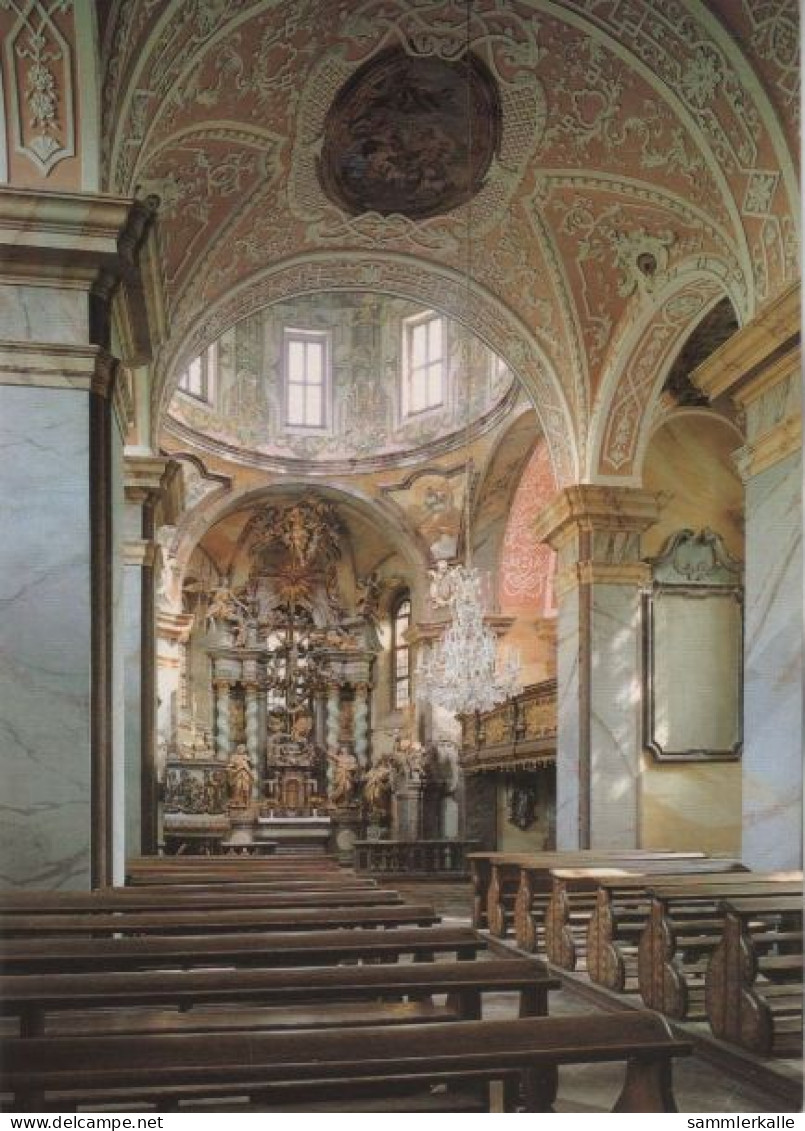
{"x":410,"y":134}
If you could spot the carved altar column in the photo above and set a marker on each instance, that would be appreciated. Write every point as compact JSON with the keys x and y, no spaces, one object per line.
{"x":252,"y":721}
{"x":596,"y":532}
{"x":361,"y":724}
{"x":333,"y":725}
{"x":221,"y":688}
{"x":760,"y":368}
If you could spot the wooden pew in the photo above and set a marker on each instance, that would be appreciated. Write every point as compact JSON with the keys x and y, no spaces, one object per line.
{"x":753,"y":995}
{"x":217,"y":897}
{"x":260,"y":863}
{"x":43,"y":1071}
{"x":620,"y":915}
{"x":171,"y":922}
{"x":512,"y":882}
{"x":683,"y":928}
{"x":572,"y":899}
{"x":228,"y":876}
{"x":114,"y":1002}
{"x":314,"y":948}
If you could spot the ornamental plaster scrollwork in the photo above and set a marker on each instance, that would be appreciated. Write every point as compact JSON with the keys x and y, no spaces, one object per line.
{"x":423,"y":283}
{"x":775,"y":37}
{"x":40,"y":65}
{"x":652,"y":350}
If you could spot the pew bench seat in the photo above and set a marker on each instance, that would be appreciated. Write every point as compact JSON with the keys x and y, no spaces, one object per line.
{"x":313,"y":948}
{"x":504,"y":1055}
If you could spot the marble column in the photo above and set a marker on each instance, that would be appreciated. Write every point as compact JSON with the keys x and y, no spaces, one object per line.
{"x":760,"y":368}
{"x":222,"y":741}
{"x":596,"y":532}
{"x":60,"y":412}
{"x":252,"y":723}
{"x":361,"y":724}
{"x":143,"y":476}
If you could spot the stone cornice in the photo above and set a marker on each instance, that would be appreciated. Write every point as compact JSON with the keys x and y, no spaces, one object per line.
{"x":32,"y":220}
{"x":744,"y":357}
{"x":591,"y":507}
{"x":423,"y":633}
{"x":773,"y":447}
{"x":55,"y":366}
{"x":143,"y":473}
{"x":174,"y":626}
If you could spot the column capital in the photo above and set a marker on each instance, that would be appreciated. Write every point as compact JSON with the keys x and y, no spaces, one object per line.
{"x":588,"y":507}
{"x":139,"y":552}
{"x":596,"y":532}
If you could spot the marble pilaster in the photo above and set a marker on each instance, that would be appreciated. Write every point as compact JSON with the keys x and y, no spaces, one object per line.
{"x":143,"y":476}
{"x":760,"y":368}
{"x":596,"y":532}
{"x":61,"y":418}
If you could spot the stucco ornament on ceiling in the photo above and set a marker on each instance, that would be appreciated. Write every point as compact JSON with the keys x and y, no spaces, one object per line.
{"x":411,"y":135}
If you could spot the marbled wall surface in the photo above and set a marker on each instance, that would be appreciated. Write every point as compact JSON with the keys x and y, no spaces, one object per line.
{"x":568,"y":723}
{"x":695,"y":807}
{"x":43,"y":314}
{"x":44,"y":639}
{"x":614,"y":714}
{"x":772,"y":787}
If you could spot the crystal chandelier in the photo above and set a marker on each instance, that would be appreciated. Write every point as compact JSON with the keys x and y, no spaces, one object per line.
{"x":462,"y":672}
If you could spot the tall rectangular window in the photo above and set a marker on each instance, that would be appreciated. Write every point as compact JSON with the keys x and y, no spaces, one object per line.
{"x":306,"y":379}
{"x":400,"y":653}
{"x":423,"y":364}
{"x":198,"y":380}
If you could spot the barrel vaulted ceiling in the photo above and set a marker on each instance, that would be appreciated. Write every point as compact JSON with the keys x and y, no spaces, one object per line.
{"x":645,"y":169}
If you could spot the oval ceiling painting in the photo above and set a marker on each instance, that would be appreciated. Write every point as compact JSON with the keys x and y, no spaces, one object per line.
{"x":410,"y":134}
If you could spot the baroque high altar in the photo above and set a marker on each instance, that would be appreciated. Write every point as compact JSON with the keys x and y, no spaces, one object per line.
{"x":290,"y":675}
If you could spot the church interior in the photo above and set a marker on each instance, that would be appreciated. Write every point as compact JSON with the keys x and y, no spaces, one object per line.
{"x":401,"y":478}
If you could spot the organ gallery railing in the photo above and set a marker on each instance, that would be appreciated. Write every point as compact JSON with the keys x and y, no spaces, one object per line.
{"x":519,"y":734}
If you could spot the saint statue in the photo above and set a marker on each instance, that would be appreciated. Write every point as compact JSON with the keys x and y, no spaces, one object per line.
{"x":344,"y":774}
{"x":241,"y":777}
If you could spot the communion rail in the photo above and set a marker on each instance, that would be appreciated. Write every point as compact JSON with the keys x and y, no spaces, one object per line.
{"x":414,"y":857}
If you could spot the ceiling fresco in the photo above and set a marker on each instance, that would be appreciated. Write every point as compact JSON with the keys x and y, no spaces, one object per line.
{"x":644,"y":167}
{"x":411,"y":135}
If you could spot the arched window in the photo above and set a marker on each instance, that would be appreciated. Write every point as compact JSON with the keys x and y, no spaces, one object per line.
{"x":400,"y":653}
